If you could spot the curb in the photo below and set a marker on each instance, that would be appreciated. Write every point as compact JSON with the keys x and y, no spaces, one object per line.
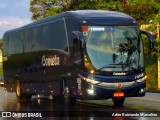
{"x":153,"y":91}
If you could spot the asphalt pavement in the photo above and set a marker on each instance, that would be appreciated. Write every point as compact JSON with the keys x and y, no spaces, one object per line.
{"x":150,"y":96}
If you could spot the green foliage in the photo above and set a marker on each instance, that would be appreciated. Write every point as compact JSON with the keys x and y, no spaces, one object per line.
{"x":147,"y":51}
{"x":153,"y":27}
{"x":141,"y":10}
{"x":85,"y":4}
{"x":1,"y":70}
{"x":1,"y":40}
{"x":44,"y":8}
{"x":151,"y":71}
{"x":157,"y":47}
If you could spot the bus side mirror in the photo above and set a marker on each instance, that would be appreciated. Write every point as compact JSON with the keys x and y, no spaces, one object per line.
{"x":79,"y":36}
{"x":151,"y":38}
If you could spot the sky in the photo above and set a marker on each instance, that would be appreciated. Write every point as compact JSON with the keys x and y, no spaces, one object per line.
{"x":13,"y":14}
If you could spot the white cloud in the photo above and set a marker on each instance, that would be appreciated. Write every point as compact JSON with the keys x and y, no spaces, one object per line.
{"x":11,"y":22}
{"x":11,"y":25}
{"x":4,"y":23}
{"x":13,"y":14}
{"x":20,"y":23}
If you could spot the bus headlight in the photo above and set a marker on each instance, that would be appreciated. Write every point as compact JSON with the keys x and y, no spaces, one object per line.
{"x":89,"y":80}
{"x":90,"y":91}
{"x":92,"y":81}
{"x":142,"y":79}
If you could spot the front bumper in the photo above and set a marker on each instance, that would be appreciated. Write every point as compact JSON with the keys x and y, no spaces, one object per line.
{"x":99,"y":92}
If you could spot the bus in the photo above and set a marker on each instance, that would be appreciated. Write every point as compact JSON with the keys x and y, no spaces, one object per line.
{"x":83,"y":54}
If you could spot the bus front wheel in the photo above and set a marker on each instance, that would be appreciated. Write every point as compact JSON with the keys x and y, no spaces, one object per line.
{"x":118,"y":101}
{"x":66,"y":94}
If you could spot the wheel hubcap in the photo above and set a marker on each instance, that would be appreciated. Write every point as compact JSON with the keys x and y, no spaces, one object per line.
{"x":18,"y":89}
{"x":66,"y":92}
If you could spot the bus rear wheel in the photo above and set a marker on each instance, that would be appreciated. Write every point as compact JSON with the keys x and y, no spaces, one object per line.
{"x":118,"y":101}
{"x":66,"y":94}
{"x":20,"y":95}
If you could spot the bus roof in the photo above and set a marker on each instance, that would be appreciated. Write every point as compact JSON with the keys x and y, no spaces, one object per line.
{"x":90,"y":16}
{"x":107,"y":16}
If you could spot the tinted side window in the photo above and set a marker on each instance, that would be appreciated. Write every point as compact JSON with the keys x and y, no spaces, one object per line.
{"x":28,"y":40}
{"x":54,"y":35}
{"x":36,"y":43}
{"x":5,"y":44}
{"x":11,"y":44}
{"x":17,"y":43}
{"x":72,"y":25}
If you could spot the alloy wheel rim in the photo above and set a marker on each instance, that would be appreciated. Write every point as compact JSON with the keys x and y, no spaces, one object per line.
{"x":18,"y":89}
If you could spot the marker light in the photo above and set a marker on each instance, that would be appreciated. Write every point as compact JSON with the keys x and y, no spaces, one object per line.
{"x":142,"y":90}
{"x":84,"y":29}
{"x":92,"y":71}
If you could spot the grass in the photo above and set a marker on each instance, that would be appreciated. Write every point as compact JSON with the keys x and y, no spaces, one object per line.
{"x":1,"y":70}
{"x":152,"y":72}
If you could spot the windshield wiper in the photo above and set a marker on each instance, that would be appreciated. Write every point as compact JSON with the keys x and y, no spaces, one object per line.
{"x":111,"y":66}
{"x":120,"y":64}
{"x":134,"y":69}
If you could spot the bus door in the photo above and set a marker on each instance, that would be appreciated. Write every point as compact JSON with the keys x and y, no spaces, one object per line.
{"x":77,"y":54}
{"x":78,"y":65}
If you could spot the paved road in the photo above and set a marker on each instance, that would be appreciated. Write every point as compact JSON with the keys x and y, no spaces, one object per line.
{"x":89,"y":110}
{"x":150,"y":102}
{"x":150,"y":97}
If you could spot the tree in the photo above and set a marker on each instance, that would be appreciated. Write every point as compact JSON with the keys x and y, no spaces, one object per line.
{"x":44,"y":8}
{"x":155,"y":27}
{"x":98,"y":4}
{"x":1,"y":40}
{"x":142,"y":10}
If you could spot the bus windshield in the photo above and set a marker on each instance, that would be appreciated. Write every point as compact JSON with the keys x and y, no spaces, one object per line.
{"x":113,"y":48}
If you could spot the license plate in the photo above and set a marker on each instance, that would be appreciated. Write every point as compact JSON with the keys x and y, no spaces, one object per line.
{"x":118,"y":94}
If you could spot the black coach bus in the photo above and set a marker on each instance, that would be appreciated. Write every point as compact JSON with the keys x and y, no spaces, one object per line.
{"x":85,"y":54}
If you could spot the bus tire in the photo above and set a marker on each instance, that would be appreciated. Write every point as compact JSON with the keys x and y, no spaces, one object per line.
{"x":67,"y":99}
{"x":18,"y":90}
{"x":118,"y":101}
{"x":28,"y":96}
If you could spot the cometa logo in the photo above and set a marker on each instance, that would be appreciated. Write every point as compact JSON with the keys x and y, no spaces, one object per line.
{"x":121,"y":73}
{"x":50,"y":61}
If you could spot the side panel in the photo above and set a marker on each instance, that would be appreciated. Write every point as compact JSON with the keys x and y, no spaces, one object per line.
{"x":42,"y":60}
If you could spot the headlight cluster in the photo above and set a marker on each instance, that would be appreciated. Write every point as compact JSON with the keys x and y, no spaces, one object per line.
{"x":92,"y":81}
{"x":142,"y":79}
